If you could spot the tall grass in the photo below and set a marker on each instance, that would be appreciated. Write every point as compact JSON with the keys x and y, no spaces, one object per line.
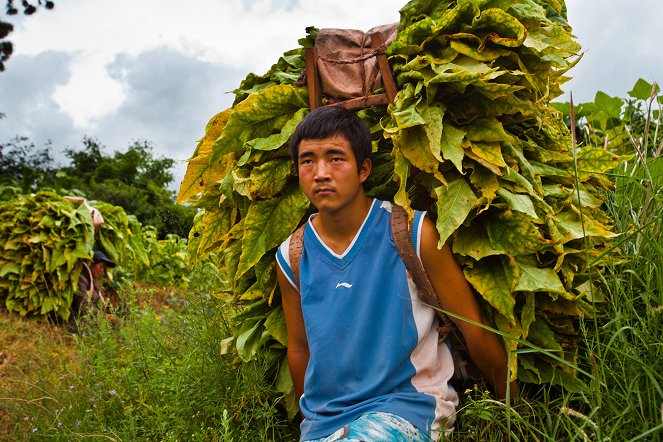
{"x":623,"y":349}
{"x":157,"y":374}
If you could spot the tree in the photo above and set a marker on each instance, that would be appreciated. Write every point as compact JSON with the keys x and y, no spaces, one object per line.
{"x":24,"y":165}
{"x":28,"y":8}
{"x":135,"y":180}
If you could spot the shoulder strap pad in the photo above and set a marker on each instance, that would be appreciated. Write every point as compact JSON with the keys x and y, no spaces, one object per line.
{"x":295,"y":249}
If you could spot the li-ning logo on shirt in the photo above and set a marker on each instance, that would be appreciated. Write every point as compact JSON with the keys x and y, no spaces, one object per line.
{"x":344,"y":284}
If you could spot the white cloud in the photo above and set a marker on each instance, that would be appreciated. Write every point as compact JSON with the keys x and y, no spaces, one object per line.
{"x":90,"y":92}
{"x":104,"y":46}
{"x":243,"y":34}
{"x":621,"y":43}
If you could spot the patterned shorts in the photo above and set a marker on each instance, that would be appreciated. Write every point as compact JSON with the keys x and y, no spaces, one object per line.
{"x":377,"y":427}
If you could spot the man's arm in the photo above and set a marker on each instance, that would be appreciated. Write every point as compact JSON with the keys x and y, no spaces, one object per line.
{"x":456,"y":296}
{"x":298,"y":352}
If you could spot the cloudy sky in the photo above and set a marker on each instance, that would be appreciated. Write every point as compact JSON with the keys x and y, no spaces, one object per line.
{"x":157,"y":70}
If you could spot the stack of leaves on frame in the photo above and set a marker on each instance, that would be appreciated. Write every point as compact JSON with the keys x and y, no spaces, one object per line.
{"x":471,"y":138}
{"x":45,"y":238}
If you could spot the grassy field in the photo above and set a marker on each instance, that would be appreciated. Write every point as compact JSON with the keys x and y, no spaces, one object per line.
{"x":154,"y":371}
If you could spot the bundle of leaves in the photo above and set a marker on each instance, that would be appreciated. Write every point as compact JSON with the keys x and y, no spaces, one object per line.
{"x":471,"y":138}
{"x":46,"y":238}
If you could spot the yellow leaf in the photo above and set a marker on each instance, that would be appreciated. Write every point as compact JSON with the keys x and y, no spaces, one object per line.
{"x":199,"y":172}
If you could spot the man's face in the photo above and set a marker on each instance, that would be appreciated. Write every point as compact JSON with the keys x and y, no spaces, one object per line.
{"x":98,"y":269}
{"x":328,"y":172}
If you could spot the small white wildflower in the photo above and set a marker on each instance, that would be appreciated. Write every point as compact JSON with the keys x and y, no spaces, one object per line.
{"x":112,"y":392}
{"x":34,"y":430}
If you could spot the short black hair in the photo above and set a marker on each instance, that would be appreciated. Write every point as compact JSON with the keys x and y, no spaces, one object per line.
{"x":327,"y":121}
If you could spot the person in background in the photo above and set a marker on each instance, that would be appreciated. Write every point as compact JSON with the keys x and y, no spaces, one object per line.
{"x":89,"y":295}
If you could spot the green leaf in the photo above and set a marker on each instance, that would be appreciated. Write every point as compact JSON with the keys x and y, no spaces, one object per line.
{"x":539,"y":372}
{"x":248,"y":118}
{"x":595,"y":160}
{"x":463,"y":71}
{"x":451,"y":145}
{"x":248,"y":338}
{"x":612,"y":106}
{"x":643,"y":90}
{"x":534,"y":279}
{"x":474,"y":242}
{"x":487,"y":130}
{"x":490,"y":152}
{"x":522,"y":9}
{"x":433,"y":115}
{"x":265,"y":283}
{"x":504,"y":29}
{"x":454,"y":203}
{"x":572,"y":228}
{"x":527,"y":315}
{"x":412,"y":39}
{"x":284,"y":385}
{"x":401,"y":173}
{"x":277,"y":140}
{"x":481,"y":54}
{"x":241,"y":181}
{"x":488,"y":278}
{"x":9,"y":267}
{"x":215,"y":227}
{"x":455,"y":19}
{"x":413,"y":145}
{"x":519,"y":203}
{"x":541,"y":335}
{"x":408,"y":117}
{"x":487,"y":183}
{"x":267,"y":224}
{"x":275,"y":325}
{"x":269,"y":179}
{"x":516,"y":233}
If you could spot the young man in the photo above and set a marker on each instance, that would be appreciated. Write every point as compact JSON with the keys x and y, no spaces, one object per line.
{"x":362,"y":348}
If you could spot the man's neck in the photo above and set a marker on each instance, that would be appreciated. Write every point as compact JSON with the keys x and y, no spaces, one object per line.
{"x":337,"y":229}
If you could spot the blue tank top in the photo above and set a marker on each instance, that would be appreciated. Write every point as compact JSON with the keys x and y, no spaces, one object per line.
{"x":373,"y":345}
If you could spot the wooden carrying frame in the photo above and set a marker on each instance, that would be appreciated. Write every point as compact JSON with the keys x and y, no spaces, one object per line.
{"x":315,"y":93}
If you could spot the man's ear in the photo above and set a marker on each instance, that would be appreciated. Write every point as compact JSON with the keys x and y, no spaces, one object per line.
{"x":365,"y":170}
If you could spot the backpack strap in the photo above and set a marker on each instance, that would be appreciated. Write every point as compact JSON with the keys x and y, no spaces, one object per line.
{"x":401,"y":233}
{"x":295,"y":249}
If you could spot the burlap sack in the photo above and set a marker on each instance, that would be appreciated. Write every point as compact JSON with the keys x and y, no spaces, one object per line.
{"x":346,"y":61}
